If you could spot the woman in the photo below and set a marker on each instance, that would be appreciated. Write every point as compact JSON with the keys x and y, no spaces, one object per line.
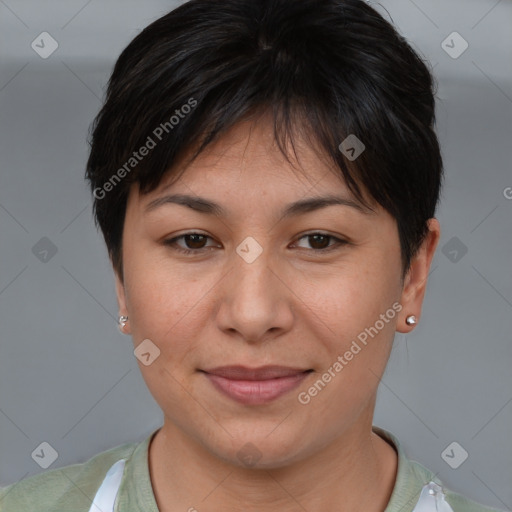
{"x":265,"y":175}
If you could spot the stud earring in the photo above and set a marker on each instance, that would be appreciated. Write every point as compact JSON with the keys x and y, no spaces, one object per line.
{"x":122,"y":322}
{"x":410,"y":320}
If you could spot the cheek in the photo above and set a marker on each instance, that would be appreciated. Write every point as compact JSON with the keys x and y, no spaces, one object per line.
{"x":352,"y":297}
{"x":165,"y":303}
{"x":355,"y":306}
{"x":353,"y":339}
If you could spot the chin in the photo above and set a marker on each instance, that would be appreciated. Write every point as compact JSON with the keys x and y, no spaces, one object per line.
{"x":261,"y":451}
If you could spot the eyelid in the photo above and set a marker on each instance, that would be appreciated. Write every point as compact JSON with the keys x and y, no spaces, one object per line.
{"x":338,"y":242}
{"x":173,"y":241}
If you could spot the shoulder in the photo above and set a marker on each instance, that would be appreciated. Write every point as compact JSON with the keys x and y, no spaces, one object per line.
{"x":68,"y":488}
{"x":457,"y":502}
{"x":411,"y":480}
{"x":460,"y":503}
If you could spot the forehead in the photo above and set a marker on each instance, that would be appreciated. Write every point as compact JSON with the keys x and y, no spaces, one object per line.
{"x":245,"y":164}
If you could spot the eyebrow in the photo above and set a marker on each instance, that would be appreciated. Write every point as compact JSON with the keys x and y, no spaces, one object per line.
{"x":203,"y":205}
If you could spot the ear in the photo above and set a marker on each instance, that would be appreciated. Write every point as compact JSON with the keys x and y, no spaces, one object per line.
{"x":415,"y":281}
{"x":121,"y":301}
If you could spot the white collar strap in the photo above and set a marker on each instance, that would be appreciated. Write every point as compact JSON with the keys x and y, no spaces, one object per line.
{"x":106,"y":496}
{"x":432,"y":498}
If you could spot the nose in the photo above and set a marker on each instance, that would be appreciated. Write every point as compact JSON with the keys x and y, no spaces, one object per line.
{"x":255,"y":300}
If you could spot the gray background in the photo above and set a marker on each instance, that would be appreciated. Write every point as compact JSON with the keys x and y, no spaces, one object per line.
{"x":67,"y":377}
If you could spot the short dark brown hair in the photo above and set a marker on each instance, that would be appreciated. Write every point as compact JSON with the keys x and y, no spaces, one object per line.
{"x":334,"y":68}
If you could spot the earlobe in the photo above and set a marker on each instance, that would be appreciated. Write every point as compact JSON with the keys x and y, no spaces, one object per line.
{"x":121,"y":301}
{"x":415,"y":282}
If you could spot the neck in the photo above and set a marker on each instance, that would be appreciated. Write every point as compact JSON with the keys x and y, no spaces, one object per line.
{"x":357,"y":471}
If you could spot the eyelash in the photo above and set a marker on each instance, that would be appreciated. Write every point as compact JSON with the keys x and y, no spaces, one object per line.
{"x":173,"y":241}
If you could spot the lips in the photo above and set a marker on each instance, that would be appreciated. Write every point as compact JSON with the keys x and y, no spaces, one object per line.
{"x":262,"y":373}
{"x":255,"y":385}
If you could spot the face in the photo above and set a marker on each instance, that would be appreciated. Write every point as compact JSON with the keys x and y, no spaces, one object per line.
{"x":301,"y":304}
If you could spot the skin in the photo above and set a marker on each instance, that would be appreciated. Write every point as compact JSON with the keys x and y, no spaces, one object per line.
{"x":292,"y":306}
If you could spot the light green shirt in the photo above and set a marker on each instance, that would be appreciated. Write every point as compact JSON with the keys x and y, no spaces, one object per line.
{"x":72,"y":488}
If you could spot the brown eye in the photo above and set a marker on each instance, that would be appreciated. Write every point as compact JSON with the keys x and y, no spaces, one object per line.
{"x":195,"y":241}
{"x":321,"y":242}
